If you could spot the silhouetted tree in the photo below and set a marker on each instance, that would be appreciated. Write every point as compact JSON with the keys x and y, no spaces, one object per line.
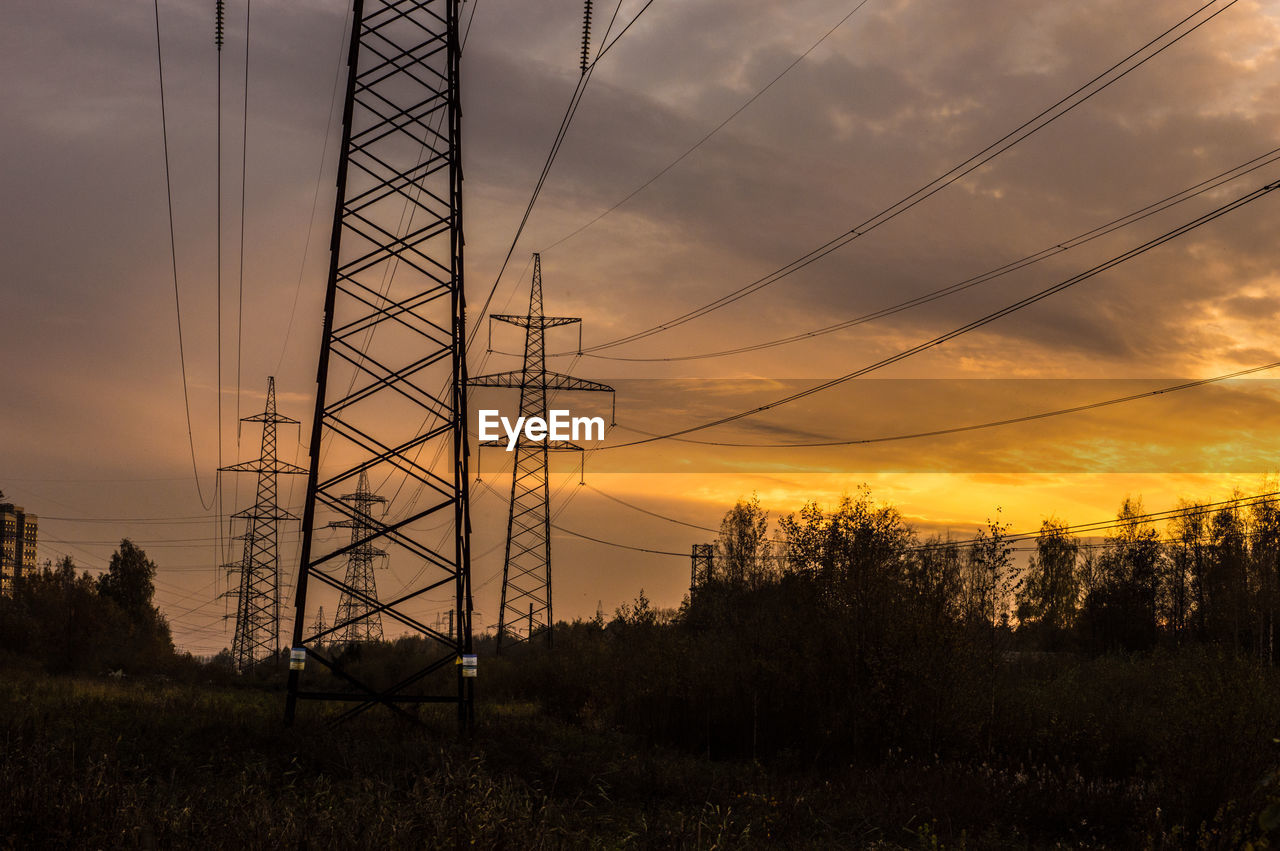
{"x":68,"y":623}
{"x":990,"y":578}
{"x":1264,"y":561}
{"x":742,"y":549}
{"x":129,"y":581}
{"x":991,"y":583}
{"x":936,"y":579}
{"x":1050,"y":590}
{"x":1122,"y":609}
{"x":1186,"y":559}
{"x":1226,"y":577}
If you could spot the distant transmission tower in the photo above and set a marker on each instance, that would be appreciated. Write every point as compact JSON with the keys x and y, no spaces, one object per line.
{"x":391,"y":377}
{"x":256,"y":588}
{"x":526,"y":571}
{"x":358,"y":605}
{"x":703,"y":556}
{"x":320,"y":628}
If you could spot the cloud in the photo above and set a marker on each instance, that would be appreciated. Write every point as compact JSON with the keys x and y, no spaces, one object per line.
{"x":895,"y":96}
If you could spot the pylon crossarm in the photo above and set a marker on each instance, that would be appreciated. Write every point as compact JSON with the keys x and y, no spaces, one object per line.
{"x":498,"y":379}
{"x":260,"y":466}
{"x":278,"y":419}
{"x":558,"y":381}
{"x":263,"y":513}
{"x":535,"y":321}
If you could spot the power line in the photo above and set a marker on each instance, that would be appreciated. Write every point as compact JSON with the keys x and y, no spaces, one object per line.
{"x":616,"y":544}
{"x":975,"y":324}
{"x":315,"y":197}
{"x":244,"y":168}
{"x":173,"y":255}
{"x":571,"y":110}
{"x":650,"y":513}
{"x":1019,"y":134}
{"x":1055,"y":249}
{"x":616,"y":38}
{"x":466,"y":34}
{"x":1173,"y":388}
{"x":714,"y":130}
{"x":565,"y":505}
{"x":181,"y":521}
{"x":1192,"y":510}
{"x":218,"y":13}
{"x":148,"y":543}
{"x":1096,"y":526}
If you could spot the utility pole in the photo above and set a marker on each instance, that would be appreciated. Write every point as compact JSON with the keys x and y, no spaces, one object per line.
{"x":526,"y":569}
{"x":256,"y":582}
{"x":392,"y":378}
{"x":357,"y":607}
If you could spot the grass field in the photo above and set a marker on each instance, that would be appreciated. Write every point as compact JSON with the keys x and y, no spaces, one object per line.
{"x":102,"y":763}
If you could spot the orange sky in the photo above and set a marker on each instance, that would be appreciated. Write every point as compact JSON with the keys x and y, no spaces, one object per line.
{"x":95,"y":433}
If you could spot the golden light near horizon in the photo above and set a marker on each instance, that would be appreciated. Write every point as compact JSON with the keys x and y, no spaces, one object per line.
{"x":877,"y":104}
{"x":733,"y":422}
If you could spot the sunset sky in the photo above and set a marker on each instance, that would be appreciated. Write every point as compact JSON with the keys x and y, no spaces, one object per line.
{"x":93,"y":421}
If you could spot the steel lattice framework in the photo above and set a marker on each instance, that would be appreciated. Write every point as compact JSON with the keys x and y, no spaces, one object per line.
{"x":355,"y":609}
{"x":319,"y":627}
{"x":256,"y":583}
{"x":702,"y":566}
{"x":526,"y":569}
{"x":391,"y":400}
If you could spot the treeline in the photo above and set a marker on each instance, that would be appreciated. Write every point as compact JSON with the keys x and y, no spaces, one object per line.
{"x":843,"y":634}
{"x":1211,"y":576}
{"x":63,"y":622}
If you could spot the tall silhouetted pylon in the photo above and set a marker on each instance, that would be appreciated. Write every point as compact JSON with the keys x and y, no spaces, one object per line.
{"x":256,"y":577}
{"x":391,"y":389}
{"x":358,"y":619}
{"x":526,"y":570}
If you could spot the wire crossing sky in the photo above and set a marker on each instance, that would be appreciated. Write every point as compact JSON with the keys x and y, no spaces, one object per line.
{"x":910,"y":171}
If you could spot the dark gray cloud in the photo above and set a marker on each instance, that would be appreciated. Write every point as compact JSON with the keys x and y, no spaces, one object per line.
{"x":898,"y":94}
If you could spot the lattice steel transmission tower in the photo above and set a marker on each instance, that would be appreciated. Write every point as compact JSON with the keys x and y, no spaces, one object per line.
{"x":526,"y":569}
{"x":356,"y":607}
{"x":320,"y":628}
{"x":391,"y":382}
{"x":257,"y":575}
{"x":703,"y":563}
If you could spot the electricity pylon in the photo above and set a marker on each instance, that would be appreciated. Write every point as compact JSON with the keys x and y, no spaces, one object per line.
{"x":357,"y":607}
{"x":256,"y":588}
{"x":391,"y":379}
{"x":526,"y":569}
{"x":320,"y":628}
{"x":703,"y":556}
